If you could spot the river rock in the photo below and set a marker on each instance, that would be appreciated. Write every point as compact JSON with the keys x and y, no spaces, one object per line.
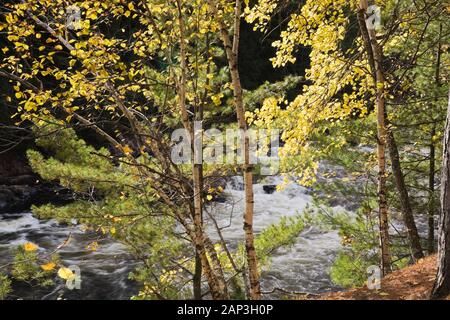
{"x":16,"y":198}
{"x":270,"y":188}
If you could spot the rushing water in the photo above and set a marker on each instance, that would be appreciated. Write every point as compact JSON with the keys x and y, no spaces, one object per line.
{"x":104,"y":272}
{"x":301,"y":268}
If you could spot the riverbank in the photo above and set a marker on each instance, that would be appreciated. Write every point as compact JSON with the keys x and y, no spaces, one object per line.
{"x":411,"y":283}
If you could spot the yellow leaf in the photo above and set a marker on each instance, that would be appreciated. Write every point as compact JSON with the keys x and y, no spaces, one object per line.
{"x":48,"y":266}
{"x":93,"y":246}
{"x":217,"y":99}
{"x":21,"y":45}
{"x":65,"y":273}
{"x":29,"y":246}
{"x":30,"y":106}
{"x":127,"y":150}
{"x":92,"y":15}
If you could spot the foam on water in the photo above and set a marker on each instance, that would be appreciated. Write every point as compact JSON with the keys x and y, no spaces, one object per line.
{"x":104,"y":273}
{"x":16,"y":222}
{"x":303,"y":267}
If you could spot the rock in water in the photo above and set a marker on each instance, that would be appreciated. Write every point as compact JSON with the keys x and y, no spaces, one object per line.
{"x":269,"y":189}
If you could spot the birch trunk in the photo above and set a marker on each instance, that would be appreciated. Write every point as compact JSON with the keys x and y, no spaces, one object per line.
{"x":232,"y":48}
{"x":214,"y":283}
{"x":375,"y":59}
{"x":431,"y":197}
{"x":442,"y":285}
{"x":431,"y":200}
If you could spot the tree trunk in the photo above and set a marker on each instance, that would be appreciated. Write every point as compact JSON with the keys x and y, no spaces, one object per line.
{"x":382,"y":197}
{"x":232,"y":49}
{"x":217,"y":267}
{"x":431,"y":197}
{"x":407,"y":214}
{"x":198,"y":219}
{"x":197,"y":278}
{"x":375,"y":55}
{"x":442,"y":285}
{"x":216,"y":289}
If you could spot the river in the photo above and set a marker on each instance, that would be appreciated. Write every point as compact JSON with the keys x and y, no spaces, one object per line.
{"x":304,"y":267}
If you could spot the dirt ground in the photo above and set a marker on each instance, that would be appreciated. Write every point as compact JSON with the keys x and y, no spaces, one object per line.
{"x":411,"y":283}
